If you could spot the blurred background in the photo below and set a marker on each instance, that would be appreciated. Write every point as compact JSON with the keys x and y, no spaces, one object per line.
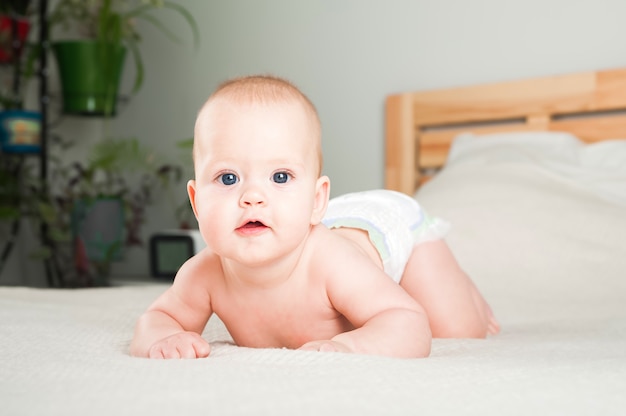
{"x":346,"y":55}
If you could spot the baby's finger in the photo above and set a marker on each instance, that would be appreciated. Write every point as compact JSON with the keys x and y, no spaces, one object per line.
{"x":202,"y":348}
{"x":171,"y":352}
{"x":160,"y":351}
{"x":155,"y":354}
{"x":185,"y":351}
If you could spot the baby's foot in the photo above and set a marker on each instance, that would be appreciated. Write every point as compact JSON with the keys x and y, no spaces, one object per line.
{"x":493,"y":327}
{"x":487,"y":316}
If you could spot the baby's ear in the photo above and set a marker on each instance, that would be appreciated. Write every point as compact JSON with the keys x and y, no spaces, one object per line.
{"x":191,"y":191}
{"x":322,"y":193}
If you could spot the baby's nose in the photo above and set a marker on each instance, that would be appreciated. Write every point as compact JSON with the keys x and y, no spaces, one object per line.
{"x":252,"y":197}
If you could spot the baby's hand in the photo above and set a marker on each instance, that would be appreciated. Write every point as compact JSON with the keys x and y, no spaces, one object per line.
{"x":181,"y":345}
{"x":325,"y":346}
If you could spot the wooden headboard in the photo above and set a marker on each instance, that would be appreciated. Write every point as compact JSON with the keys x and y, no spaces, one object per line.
{"x":420,"y":126}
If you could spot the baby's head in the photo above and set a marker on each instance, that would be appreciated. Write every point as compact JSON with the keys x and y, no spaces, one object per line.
{"x":257,"y":90}
{"x":258,"y":162}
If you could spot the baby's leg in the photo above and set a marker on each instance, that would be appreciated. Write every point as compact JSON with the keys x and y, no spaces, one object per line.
{"x":452,"y":302}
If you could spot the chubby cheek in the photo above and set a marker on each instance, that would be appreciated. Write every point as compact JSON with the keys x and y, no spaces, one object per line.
{"x":297,"y":214}
{"x":207,"y":227}
{"x":213,"y":220}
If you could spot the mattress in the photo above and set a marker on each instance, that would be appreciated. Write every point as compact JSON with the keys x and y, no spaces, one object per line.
{"x":544,"y":242}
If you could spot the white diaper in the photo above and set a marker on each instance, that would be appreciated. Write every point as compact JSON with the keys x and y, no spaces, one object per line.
{"x":394,"y":222}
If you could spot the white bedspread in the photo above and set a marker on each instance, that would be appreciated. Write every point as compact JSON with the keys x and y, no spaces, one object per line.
{"x":548,"y":254}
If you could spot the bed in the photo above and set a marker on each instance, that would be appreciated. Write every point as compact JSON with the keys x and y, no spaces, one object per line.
{"x":532,"y":176}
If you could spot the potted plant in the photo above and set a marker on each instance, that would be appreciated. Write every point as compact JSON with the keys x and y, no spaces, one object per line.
{"x":91,"y":63}
{"x":93,"y":208}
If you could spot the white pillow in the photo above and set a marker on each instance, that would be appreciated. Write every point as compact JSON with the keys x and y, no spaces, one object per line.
{"x":600,"y":168}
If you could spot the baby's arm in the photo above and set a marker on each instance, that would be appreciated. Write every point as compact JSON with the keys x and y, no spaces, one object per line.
{"x":388,"y":321}
{"x":163,"y":338}
{"x":172,"y":325}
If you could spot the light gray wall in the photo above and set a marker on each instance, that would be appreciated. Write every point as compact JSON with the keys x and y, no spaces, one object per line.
{"x":347,"y":55}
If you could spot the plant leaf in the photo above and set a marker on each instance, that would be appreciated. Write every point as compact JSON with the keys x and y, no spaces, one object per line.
{"x":188,"y":17}
{"x":139,"y":68}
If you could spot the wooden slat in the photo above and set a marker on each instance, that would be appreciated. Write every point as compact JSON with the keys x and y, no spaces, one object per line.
{"x":610,"y":92}
{"x":564,"y":94}
{"x":593,"y":129}
{"x":400,"y":168}
{"x":434,"y":146}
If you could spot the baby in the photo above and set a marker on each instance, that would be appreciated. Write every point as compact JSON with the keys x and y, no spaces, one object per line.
{"x":366,"y":273}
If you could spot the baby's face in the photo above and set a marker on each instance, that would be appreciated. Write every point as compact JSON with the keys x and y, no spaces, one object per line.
{"x":256,"y":182}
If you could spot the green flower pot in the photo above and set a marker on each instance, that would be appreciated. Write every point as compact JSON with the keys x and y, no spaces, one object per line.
{"x":90,"y":74}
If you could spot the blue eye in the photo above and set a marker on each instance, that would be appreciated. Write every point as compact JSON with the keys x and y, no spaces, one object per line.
{"x":228,"y":179}
{"x":281,"y":177}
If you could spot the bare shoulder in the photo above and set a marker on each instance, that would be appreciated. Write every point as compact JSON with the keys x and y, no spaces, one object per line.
{"x":196,"y":279}
{"x":200,"y":270}
{"x":188,"y":300}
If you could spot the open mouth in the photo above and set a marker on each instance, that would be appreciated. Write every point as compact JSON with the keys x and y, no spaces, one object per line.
{"x":252,"y":227}
{"x":253,"y":224}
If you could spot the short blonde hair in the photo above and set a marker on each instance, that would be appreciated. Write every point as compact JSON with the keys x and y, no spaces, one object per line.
{"x":268,"y":89}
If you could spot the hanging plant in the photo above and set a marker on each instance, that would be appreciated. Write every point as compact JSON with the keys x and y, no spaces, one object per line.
{"x":100,"y":34}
